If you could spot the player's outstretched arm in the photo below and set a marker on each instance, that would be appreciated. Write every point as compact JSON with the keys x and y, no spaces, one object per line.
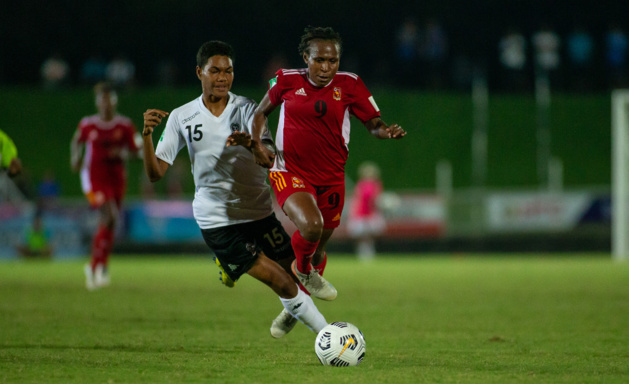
{"x":154,"y":167}
{"x":263,"y":156}
{"x":381,"y":130}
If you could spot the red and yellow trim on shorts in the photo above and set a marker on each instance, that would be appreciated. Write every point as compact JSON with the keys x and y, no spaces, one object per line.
{"x":278,"y":179}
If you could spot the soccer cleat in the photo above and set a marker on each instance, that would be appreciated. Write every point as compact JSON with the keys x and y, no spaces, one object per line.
{"x":224,"y":277}
{"x":89,"y":278}
{"x":315,"y":283}
{"x":101,"y":276}
{"x":283,"y":324}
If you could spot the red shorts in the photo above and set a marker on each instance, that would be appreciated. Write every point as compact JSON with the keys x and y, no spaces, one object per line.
{"x":330,"y":199}
{"x":98,"y":190}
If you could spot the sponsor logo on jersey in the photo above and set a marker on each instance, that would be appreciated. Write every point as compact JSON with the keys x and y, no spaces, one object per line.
{"x":300,"y":92}
{"x":251,"y":248}
{"x":298,"y":183}
{"x":233,"y":267}
{"x":190,"y":118}
{"x":337,"y":217}
{"x":337,"y":93}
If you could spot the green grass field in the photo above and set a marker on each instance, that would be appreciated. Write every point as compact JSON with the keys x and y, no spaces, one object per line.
{"x":433,"y":319}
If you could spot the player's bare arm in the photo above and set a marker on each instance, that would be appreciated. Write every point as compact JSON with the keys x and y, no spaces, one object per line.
{"x":263,"y":156}
{"x":155,"y":168}
{"x":381,"y":130}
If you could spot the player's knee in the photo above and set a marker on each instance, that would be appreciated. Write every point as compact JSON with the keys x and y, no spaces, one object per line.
{"x":312,"y":229}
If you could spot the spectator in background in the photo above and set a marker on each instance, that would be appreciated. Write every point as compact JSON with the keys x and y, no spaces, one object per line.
{"x":55,"y":71}
{"x":512,"y":49}
{"x":48,"y":190}
{"x":580,"y":49}
{"x":36,"y":242}
{"x":407,"y":41}
{"x":365,"y":221}
{"x":616,"y":56}
{"x":109,"y":138}
{"x":93,"y":69}
{"x":120,"y":72}
{"x":546,"y":44}
{"x":435,"y":53}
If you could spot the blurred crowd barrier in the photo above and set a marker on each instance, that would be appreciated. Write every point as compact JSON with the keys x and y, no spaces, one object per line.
{"x":415,"y":222}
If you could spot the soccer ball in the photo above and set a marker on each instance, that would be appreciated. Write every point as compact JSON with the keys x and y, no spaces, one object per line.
{"x":340,"y":344}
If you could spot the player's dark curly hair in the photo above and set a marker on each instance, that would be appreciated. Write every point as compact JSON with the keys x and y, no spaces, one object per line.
{"x":322,"y":33}
{"x":212,"y":48}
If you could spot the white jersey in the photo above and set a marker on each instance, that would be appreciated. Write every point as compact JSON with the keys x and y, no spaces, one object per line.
{"x":230,"y":187}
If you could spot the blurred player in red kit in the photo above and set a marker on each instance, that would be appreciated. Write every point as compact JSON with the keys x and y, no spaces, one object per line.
{"x":308,"y":170}
{"x":108,"y":139}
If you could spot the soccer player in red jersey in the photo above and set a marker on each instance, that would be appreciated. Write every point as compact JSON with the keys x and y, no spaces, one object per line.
{"x":308,"y":170}
{"x":108,"y":139}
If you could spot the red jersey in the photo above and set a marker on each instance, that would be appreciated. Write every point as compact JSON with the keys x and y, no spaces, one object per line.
{"x":313,"y":131}
{"x":107,"y":144}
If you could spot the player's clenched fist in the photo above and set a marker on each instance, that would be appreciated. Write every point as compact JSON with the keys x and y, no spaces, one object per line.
{"x":152,"y":118}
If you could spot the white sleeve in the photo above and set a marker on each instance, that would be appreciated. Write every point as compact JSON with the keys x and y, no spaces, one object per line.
{"x":171,"y":141}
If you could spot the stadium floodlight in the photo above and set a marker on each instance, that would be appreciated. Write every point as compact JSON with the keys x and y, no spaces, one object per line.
{"x":620,"y":176}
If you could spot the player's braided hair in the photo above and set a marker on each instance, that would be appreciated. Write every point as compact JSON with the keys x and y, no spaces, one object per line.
{"x":213,"y":48}
{"x":322,"y":33}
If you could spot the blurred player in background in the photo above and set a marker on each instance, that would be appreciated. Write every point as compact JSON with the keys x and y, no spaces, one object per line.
{"x":232,"y":204}
{"x":365,"y":221}
{"x":8,"y":155}
{"x":308,"y":172}
{"x":108,"y":139}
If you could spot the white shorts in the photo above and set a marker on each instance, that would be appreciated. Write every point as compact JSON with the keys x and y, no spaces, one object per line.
{"x":366,"y":226}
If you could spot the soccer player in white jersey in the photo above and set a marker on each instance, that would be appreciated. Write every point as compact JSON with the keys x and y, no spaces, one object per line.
{"x":308,"y":171}
{"x":232,"y":203}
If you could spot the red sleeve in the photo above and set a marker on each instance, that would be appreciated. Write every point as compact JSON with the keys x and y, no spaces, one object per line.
{"x":82,"y":128}
{"x":363,"y":106}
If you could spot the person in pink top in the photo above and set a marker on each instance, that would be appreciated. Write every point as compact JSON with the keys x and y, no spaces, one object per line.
{"x":365,"y":220}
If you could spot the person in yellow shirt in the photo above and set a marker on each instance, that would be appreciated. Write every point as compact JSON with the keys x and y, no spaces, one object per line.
{"x":36,"y":240}
{"x":8,"y":155}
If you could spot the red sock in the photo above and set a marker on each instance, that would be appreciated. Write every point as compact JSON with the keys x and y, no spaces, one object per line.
{"x":304,"y":250}
{"x":321,"y":267}
{"x":107,"y":246}
{"x":101,"y":246}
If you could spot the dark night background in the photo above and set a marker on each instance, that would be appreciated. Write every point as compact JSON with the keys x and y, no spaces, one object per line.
{"x":148,"y":32}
